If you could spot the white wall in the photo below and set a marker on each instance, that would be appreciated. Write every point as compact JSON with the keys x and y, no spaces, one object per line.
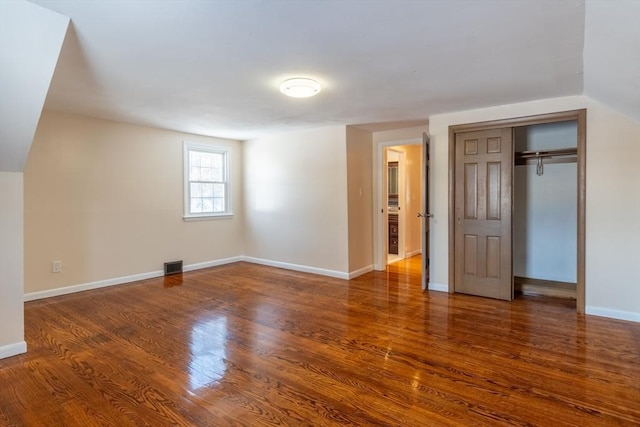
{"x":296,"y":200}
{"x":106,"y":199}
{"x":613,"y":199}
{"x":545,"y":207}
{"x":11,"y":265}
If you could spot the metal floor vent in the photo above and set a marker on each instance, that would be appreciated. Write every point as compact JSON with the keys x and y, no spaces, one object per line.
{"x":173,"y":267}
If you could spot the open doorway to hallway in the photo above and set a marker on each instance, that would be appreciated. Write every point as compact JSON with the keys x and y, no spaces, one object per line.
{"x":410,"y":141}
{"x":403,"y":193}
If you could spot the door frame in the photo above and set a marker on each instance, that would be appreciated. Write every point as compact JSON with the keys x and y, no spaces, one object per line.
{"x":425,"y":178}
{"x":580,"y":116}
{"x":380,"y":212}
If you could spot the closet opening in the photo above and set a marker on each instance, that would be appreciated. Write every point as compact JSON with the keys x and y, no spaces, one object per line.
{"x":548,"y":197}
{"x":545,"y":210}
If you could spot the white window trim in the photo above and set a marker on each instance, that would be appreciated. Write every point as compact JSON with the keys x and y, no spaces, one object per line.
{"x":199,"y":146}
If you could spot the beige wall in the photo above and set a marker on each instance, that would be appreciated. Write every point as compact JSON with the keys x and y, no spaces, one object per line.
{"x":613,"y":213}
{"x":296,"y":200}
{"x":360,"y":202}
{"x":106,"y":199}
{"x":613,"y":199}
{"x":11,"y":265}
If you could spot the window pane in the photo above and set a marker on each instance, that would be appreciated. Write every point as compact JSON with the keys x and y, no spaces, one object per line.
{"x":206,"y":160}
{"x":194,"y":158}
{"x":217,"y":175}
{"x":218,"y":190}
{"x":218,"y":205}
{"x":218,"y":160}
{"x":206,"y":174}
{"x":194,"y":173}
{"x":207,"y":190}
{"x":205,"y":166}
{"x":196,"y":205}
{"x":196,"y":190}
{"x":207,"y":205}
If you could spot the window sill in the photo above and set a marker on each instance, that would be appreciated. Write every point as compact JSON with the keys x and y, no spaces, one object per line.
{"x":189,"y":218}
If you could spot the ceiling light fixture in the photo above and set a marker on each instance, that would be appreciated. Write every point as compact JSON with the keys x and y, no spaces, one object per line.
{"x":300,"y":87}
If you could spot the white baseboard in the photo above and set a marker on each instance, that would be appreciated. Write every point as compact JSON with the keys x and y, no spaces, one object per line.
{"x":413,"y":253}
{"x":215,"y":263}
{"x":298,"y":267}
{"x":21,"y":347}
{"x":438,"y":287}
{"x":13,"y":349}
{"x":614,"y":314}
{"x":32,"y":296}
{"x":360,"y":271}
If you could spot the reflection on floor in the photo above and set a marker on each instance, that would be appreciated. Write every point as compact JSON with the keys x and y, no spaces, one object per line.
{"x":405,"y":272}
{"x":391,"y":258}
{"x":250,"y":345}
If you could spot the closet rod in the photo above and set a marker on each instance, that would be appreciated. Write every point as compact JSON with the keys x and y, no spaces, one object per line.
{"x":538,"y":158}
{"x":562,"y":155}
{"x":547,"y":153}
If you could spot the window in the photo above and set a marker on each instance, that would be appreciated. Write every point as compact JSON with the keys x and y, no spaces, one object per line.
{"x":206,"y":181}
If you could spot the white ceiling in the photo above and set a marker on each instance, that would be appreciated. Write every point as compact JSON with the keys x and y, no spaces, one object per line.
{"x":213,"y":67}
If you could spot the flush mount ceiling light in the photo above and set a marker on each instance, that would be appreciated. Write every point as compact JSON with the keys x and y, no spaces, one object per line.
{"x":300,"y":87}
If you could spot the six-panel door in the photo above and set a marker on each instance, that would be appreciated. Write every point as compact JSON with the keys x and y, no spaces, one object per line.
{"x":483,"y":192}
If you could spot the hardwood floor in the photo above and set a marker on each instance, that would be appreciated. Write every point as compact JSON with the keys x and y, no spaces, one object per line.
{"x":243,"y":344}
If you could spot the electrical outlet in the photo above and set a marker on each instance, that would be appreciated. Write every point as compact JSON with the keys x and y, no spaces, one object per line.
{"x":56,"y":266}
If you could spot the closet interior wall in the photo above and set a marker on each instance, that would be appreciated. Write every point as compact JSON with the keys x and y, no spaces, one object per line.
{"x":545,"y":211}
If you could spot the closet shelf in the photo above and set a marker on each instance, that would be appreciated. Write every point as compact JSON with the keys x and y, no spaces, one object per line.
{"x":561,"y":155}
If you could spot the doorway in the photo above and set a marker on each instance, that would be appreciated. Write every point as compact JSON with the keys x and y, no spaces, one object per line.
{"x":396,"y":201}
{"x":408,"y":153}
{"x":481,"y":167}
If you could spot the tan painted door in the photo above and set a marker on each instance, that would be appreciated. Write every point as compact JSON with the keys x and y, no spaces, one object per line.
{"x":426,"y":213}
{"x":483,"y":187}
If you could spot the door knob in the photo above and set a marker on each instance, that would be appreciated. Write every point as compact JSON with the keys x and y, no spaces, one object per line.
{"x":425,"y":215}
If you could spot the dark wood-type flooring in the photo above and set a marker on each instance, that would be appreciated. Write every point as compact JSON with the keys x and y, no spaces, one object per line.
{"x":243,"y":344}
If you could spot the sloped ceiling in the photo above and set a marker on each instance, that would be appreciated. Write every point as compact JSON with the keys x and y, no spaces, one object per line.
{"x":30,"y":42}
{"x":213,"y":67}
{"x":612,"y":55}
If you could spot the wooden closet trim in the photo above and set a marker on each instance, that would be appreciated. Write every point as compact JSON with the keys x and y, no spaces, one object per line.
{"x":580,"y":116}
